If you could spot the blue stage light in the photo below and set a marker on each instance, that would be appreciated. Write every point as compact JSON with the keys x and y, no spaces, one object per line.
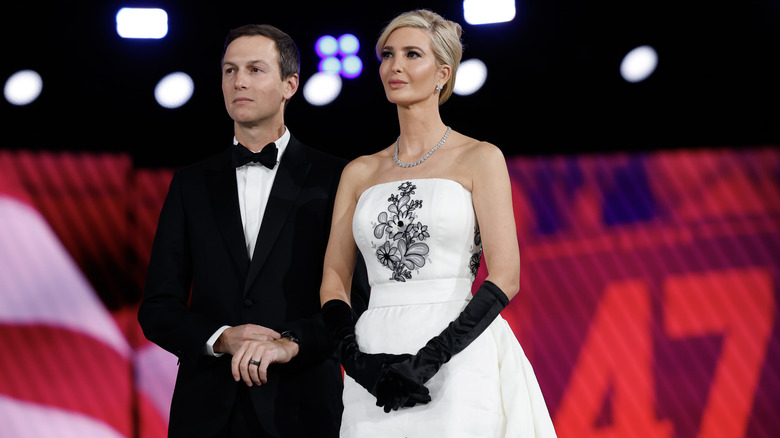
{"x":348,"y":44}
{"x":352,"y":66}
{"x":326,"y":46}
{"x":330,"y":65}
{"x":339,"y":55}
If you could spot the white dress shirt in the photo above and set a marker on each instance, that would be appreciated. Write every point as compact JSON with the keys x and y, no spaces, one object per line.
{"x":254,"y":187}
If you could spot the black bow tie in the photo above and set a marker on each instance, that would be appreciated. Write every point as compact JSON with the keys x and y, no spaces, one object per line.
{"x":266,"y":157}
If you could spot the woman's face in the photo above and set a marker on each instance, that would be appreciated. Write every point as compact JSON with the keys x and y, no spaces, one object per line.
{"x":409,"y":71}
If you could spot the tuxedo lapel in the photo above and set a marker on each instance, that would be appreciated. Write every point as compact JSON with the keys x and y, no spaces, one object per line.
{"x":223,"y":194}
{"x":293,"y":169}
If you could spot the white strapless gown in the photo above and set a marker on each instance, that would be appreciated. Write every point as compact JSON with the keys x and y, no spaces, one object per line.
{"x":421,"y":245}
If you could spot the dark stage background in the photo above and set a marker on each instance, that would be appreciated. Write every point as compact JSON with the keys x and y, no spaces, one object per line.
{"x":648,"y":213}
{"x":553,"y":82}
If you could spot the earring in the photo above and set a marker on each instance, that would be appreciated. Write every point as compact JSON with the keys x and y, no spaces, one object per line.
{"x":439,"y":87}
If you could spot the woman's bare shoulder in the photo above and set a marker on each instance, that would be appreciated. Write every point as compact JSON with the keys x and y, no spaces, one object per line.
{"x":360,"y":173}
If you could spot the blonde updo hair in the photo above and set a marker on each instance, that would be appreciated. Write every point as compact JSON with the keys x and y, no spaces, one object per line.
{"x":445,"y":41}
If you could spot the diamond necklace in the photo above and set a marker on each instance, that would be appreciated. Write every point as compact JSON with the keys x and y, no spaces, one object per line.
{"x":402,"y":164}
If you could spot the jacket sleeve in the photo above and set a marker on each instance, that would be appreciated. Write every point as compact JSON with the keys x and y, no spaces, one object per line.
{"x":164,"y":314}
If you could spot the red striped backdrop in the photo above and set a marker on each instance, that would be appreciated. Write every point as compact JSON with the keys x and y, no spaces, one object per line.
{"x":648,"y":303}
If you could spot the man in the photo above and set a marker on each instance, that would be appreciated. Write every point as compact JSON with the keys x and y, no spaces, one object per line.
{"x":233,"y":281}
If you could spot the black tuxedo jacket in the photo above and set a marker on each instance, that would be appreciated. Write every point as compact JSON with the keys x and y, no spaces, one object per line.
{"x":200,"y":278}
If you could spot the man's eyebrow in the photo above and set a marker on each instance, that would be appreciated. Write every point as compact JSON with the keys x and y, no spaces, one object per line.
{"x":251,"y":62}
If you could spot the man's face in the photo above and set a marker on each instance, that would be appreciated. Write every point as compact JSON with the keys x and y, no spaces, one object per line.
{"x":252,"y":85}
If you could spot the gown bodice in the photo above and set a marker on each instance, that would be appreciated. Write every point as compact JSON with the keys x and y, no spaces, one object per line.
{"x":417,"y":230}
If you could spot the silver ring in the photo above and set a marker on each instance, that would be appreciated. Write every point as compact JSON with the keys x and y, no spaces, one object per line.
{"x":254,"y":362}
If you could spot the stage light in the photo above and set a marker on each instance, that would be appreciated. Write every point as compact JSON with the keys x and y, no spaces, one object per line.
{"x":471,"y":77}
{"x":348,"y":44}
{"x":326,"y":46}
{"x":322,"y":88}
{"x":142,"y":23}
{"x":174,"y":90}
{"x":488,"y":11}
{"x":352,"y":66}
{"x":23,"y":87}
{"x":638,"y":64}
{"x":330,"y":65}
{"x":339,"y":56}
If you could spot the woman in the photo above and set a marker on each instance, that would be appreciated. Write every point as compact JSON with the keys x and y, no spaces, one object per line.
{"x":439,"y":362}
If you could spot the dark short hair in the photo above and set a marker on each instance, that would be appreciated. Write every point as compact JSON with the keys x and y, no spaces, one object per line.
{"x":289,"y":56}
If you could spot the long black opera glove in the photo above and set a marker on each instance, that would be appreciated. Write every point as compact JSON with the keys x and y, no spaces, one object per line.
{"x":486,"y":305}
{"x":365,"y":368}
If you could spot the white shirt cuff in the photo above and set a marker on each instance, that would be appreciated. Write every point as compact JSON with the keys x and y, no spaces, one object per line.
{"x":208,"y":349}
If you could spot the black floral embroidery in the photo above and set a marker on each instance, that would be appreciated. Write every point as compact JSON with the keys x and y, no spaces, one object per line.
{"x":402,"y":252}
{"x":475,"y":257}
